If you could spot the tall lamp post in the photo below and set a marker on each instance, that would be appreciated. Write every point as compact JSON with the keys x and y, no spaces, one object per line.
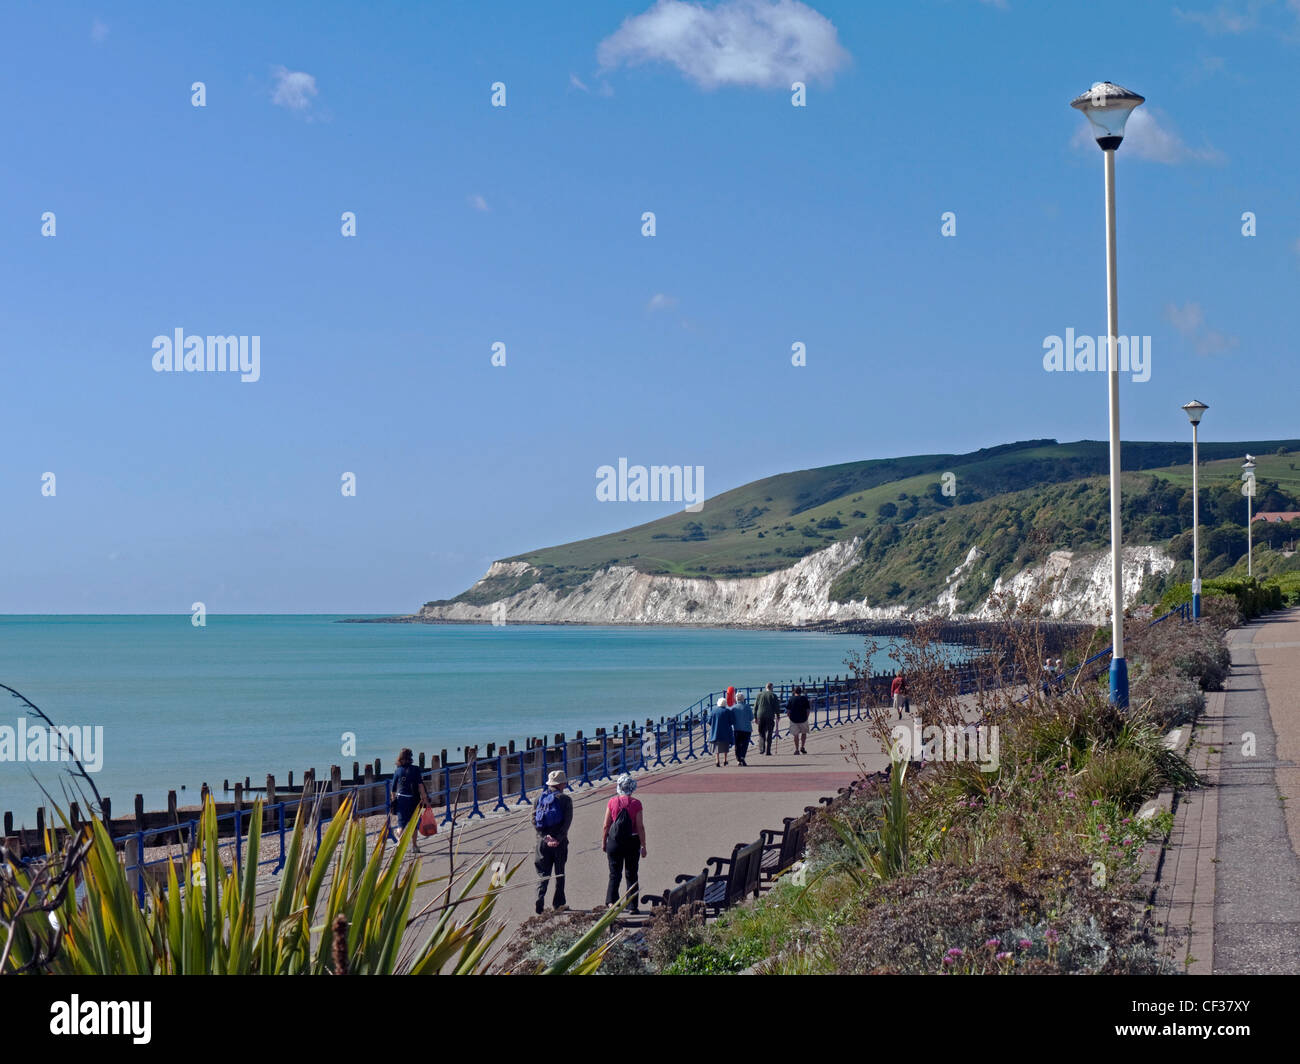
{"x":1195,"y":410}
{"x":1108,"y":107}
{"x":1248,"y":490}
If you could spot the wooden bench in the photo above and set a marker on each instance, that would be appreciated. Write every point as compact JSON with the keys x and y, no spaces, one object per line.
{"x":782,"y":848}
{"x":689,"y":890}
{"x":742,"y":876}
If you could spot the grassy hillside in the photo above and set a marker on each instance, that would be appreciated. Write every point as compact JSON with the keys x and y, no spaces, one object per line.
{"x":1017,"y":503}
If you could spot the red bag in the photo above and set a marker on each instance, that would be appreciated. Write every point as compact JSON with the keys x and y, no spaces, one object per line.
{"x":428,"y":821}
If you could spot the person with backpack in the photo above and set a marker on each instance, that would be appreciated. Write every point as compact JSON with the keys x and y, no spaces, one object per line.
{"x":552,"y":815}
{"x":797,"y":712}
{"x":408,"y":792}
{"x":767,"y":709}
{"x":623,"y":840}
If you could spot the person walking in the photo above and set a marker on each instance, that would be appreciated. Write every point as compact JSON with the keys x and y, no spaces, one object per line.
{"x":742,"y":724}
{"x":552,"y":816}
{"x":797,"y":712}
{"x":409,"y":793}
{"x":624,"y":841}
{"x":767,"y":710}
{"x":720,"y":732}
{"x":898,"y":689}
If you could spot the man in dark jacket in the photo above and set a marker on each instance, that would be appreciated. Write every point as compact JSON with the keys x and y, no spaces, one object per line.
{"x":797,"y":711}
{"x":552,"y":816}
{"x":767,"y":710}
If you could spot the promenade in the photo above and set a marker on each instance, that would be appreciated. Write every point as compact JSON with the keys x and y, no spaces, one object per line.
{"x":1230,"y":886}
{"x":692,"y":811}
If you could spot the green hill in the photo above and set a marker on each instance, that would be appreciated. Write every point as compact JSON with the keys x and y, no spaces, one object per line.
{"x":1016,"y":503}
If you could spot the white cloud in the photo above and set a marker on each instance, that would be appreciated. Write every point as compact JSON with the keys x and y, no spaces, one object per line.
{"x":293,"y":89}
{"x":1189,"y":322}
{"x":765,"y":43}
{"x":1149,"y":136}
{"x":661,"y":301}
{"x":1226,"y":18}
{"x":478,"y":203}
{"x":577,"y":83}
{"x":98,"y":31}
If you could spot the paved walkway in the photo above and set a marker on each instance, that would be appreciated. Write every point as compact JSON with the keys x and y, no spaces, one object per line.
{"x":1230,"y":884}
{"x":692,"y":811}
{"x":1257,"y":881}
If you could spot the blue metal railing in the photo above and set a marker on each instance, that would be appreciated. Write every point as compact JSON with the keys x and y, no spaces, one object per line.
{"x":673,"y":740}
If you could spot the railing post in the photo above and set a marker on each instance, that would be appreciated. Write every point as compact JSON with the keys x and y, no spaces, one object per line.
{"x":475,"y":811}
{"x":447,"y":818}
{"x":659,"y":748}
{"x":280,"y":864}
{"x":604,"y":754}
{"x":690,"y":736}
{"x":501,"y":785}
{"x":675,"y":759}
{"x":523,"y":790}
{"x":586,"y":762}
{"x":564,"y":763}
{"x":388,"y":806}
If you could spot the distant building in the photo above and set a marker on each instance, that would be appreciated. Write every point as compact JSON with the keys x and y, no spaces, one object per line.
{"x":1277,"y":516}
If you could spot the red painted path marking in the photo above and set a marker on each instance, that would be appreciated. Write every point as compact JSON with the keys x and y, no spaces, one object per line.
{"x":735,"y":779}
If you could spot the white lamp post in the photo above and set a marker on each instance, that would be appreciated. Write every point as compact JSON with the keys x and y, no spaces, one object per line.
{"x":1108,"y":107}
{"x":1248,"y":490}
{"x":1195,"y":410}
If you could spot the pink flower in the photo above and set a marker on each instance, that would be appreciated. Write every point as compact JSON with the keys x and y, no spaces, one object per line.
{"x":1096,"y":801}
{"x":954,"y":952}
{"x":1004,"y":956}
{"x":1025,"y":943}
{"x":993,"y":942}
{"x":1052,"y":936}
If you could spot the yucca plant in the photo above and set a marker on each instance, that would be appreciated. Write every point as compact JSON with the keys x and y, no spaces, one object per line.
{"x":210,"y":925}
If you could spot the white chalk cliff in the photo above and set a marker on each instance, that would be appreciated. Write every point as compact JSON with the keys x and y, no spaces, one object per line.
{"x":1079,"y":591}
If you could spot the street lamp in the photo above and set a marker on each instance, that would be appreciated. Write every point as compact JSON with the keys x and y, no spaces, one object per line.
{"x":1195,"y":410}
{"x":1248,"y":490}
{"x":1108,"y":106}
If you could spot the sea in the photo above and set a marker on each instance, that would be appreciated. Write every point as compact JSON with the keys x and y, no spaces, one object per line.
{"x":244,"y":696}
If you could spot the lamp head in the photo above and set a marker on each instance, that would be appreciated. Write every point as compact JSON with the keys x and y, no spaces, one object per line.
{"x":1195,"y":410}
{"x":1107,"y":106}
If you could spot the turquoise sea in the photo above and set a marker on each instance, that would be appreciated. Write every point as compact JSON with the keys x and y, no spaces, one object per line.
{"x":248,"y":695}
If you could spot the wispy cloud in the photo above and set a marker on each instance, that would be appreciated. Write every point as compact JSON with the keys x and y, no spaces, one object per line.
{"x":478,"y":202}
{"x":661,"y":301}
{"x":294,"y":89}
{"x":1189,"y":322}
{"x":98,"y":31}
{"x":1226,"y":18}
{"x":1149,"y":135}
{"x":763,"y":43}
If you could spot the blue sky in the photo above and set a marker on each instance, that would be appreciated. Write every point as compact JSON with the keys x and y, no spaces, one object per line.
{"x":522,"y":224}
